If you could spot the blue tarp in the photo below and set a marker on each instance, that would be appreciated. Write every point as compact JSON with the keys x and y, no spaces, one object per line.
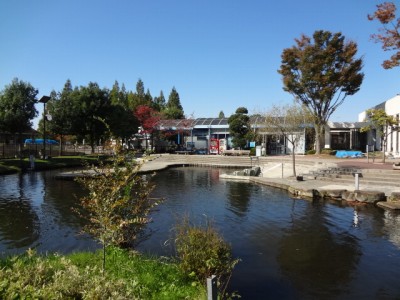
{"x":40,"y":142}
{"x":345,"y":153}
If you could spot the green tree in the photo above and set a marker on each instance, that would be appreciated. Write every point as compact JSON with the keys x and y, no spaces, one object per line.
{"x":60,"y":111}
{"x":159,"y":102}
{"x":91,"y":103}
{"x":118,"y":203}
{"x":320,"y":74}
{"x":239,"y":127}
{"x":384,"y":125}
{"x":174,"y":109}
{"x":17,"y":107}
{"x":288,"y":121}
{"x":221,"y":114}
{"x":389,"y":35}
{"x":139,"y":97}
{"x":123,"y":123}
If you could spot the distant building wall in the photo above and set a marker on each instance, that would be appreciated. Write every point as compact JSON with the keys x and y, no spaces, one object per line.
{"x":392,"y":108}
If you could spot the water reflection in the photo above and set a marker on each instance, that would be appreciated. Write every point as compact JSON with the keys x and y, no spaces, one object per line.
{"x":239,"y":197}
{"x":391,"y":227}
{"x":316,"y":258}
{"x":19,"y":223}
{"x":35,"y":212}
{"x":290,"y":249}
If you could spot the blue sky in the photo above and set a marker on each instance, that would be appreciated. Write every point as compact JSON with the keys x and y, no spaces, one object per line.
{"x":219,"y":55}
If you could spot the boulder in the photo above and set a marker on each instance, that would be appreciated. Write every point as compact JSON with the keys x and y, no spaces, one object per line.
{"x":394,"y":197}
{"x":369,"y":196}
{"x":335,"y":194}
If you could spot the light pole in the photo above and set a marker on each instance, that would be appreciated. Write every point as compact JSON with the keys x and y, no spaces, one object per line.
{"x":44,"y":100}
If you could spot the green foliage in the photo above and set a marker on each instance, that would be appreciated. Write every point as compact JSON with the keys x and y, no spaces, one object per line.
{"x":202,"y":252}
{"x":118,"y":202}
{"x":174,"y":109}
{"x":159,"y":102}
{"x":77,"y":276}
{"x":90,"y":103}
{"x":380,"y":121}
{"x":239,"y":127}
{"x":60,"y":107}
{"x":321,"y":73}
{"x":17,"y":106}
{"x":310,"y":152}
{"x":328,"y":151}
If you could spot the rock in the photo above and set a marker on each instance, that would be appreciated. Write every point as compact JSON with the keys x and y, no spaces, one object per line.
{"x":348,"y":196}
{"x":255,"y":171}
{"x":369,"y":196}
{"x":335,"y":194}
{"x":394,"y":197}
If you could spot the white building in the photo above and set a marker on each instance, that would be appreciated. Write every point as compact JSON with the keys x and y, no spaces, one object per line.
{"x":392,"y":108}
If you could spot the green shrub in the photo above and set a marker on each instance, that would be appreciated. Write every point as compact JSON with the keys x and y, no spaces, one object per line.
{"x":310,"y":152}
{"x":202,"y":252}
{"x":328,"y":151}
{"x":252,"y":151}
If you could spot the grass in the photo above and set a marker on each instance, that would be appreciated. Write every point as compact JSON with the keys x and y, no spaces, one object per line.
{"x":13,"y":165}
{"x":129,"y":275}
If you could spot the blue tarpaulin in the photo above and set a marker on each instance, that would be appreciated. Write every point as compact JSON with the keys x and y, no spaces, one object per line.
{"x":40,"y":142}
{"x":346,"y":153}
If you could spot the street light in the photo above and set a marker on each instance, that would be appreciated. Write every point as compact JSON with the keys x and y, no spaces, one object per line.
{"x":44,"y":100}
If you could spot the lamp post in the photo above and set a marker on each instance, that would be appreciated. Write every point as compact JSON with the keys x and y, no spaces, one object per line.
{"x":44,"y":100}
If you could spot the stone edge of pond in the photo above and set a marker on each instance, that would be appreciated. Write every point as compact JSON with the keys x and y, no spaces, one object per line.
{"x":314,"y":193}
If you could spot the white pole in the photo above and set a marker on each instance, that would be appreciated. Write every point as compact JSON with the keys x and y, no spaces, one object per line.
{"x":357,"y":181}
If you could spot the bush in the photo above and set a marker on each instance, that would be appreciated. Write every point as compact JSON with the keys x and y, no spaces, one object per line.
{"x":202,"y":252}
{"x":328,"y":151}
{"x":310,"y":152}
{"x":252,"y":151}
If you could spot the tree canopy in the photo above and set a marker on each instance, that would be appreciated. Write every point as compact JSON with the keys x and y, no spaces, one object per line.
{"x":320,"y":72}
{"x":174,"y":109}
{"x":389,"y":35}
{"x":239,"y":127}
{"x":380,"y":121}
{"x":17,"y":106}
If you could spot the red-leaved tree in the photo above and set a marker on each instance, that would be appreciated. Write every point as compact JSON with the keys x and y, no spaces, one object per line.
{"x":389,"y":34}
{"x":148,"y":119}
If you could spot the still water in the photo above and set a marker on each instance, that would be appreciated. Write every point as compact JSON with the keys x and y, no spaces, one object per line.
{"x":289,"y":249}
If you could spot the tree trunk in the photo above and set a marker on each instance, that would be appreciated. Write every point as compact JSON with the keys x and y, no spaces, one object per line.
{"x":318,"y":136}
{"x":294,"y":161}
{"x":383,"y":150}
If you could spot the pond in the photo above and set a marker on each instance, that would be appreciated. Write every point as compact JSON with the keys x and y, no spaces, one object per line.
{"x":289,"y":248}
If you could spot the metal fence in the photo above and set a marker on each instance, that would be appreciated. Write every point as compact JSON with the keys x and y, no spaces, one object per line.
{"x":12,"y":151}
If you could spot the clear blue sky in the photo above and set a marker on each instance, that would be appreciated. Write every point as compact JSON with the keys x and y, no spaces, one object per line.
{"x":219,"y":55}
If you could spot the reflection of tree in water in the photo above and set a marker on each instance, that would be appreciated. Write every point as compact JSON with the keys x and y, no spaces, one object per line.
{"x":239,"y":194}
{"x":318,"y":262}
{"x":59,"y":199}
{"x":19,"y":224}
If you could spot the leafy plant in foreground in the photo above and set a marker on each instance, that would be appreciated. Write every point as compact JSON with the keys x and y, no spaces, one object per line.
{"x":202,"y":252}
{"x":118,"y":203}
